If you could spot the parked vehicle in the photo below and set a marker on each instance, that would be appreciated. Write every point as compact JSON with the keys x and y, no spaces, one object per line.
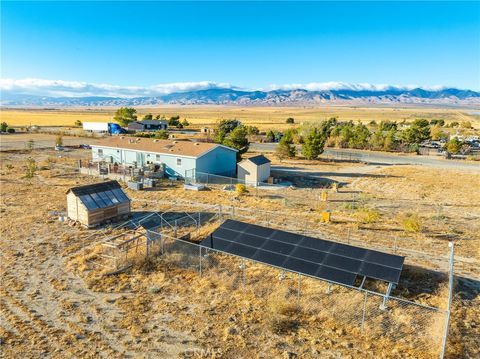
{"x":103,"y":127}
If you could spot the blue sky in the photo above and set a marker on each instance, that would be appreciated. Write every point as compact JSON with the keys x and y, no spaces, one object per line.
{"x":250,"y":45}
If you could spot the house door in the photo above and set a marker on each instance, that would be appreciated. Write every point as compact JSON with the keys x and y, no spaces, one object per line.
{"x":140,"y":159}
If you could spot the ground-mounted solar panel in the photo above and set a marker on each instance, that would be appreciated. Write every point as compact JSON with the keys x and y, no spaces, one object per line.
{"x":331,"y":261}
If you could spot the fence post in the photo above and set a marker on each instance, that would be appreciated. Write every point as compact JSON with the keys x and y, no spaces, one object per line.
{"x":450,"y":295}
{"x":299,"y":286}
{"x":364,"y":310}
{"x":200,"y":265}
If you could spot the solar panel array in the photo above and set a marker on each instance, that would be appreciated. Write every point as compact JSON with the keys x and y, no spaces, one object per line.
{"x":101,"y":195}
{"x":315,"y":257}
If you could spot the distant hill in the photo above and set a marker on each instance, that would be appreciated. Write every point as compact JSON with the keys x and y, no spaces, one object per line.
{"x":228,"y":96}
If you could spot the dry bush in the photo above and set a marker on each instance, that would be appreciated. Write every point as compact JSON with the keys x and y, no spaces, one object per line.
{"x":411,"y":222}
{"x":280,"y":324}
{"x":283,"y":307}
{"x":240,"y":189}
{"x":367,"y":215}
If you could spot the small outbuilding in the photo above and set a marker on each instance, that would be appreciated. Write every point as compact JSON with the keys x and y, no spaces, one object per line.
{"x":254,"y":170}
{"x":93,"y":204}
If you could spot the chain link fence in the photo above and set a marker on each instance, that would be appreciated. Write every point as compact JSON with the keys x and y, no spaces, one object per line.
{"x":368,"y":315}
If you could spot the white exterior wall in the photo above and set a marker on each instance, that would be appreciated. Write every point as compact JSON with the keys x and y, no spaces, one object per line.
{"x":95,"y":126}
{"x":263,"y":172}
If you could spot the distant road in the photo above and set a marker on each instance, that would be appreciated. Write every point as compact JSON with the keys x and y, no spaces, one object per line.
{"x":18,"y":141}
{"x":380,"y":158}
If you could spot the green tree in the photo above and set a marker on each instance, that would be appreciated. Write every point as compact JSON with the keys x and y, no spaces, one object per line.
{"x":228,"y":125}
{"x":3,"y":127}
{"x":161,"y":134}
{"x":285,"y":149}
{"x":147,"y":116}
{"x":388,"y":125}
{"x":314,"y":143}
{"x":377,"y":141}
{"x":237,"y":139}
{"x":125,"y":115}
{"x":270,"y":136}
{"x":252,"y":130}
{"x":390,"y":142}
{"x":78,"y":123}
{"x":174,"y":121}
{"x":360,"y":136}
{"x":185,"y":123}
{"x":435,"y":122}
{"x":290,"y":120}
{"x":418,"y":132}
{"x":454,"y":145}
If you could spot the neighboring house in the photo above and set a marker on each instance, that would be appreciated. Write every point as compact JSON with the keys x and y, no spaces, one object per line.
{"x":181,"y":158}
{"x":93,"y":204}
{"x":147,"y":125}
{"x":254,"y":170}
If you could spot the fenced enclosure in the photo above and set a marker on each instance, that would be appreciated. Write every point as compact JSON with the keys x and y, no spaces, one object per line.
{"x":176,"y":230}
{"x":416,"y":328}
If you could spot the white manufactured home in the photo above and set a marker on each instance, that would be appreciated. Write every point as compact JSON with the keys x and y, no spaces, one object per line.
{"x":179,"y":158}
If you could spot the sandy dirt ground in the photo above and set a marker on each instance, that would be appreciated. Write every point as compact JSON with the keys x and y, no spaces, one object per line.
{"x":55,"y":304}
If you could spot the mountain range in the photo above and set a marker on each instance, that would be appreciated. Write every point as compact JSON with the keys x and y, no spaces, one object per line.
{"x":230,"y":96}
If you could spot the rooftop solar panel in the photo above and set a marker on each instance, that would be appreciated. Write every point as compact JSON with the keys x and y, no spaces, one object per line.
{"x":327,"y":260}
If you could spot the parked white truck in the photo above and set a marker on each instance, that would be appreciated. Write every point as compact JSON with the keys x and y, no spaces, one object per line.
{"x":105,"y":127}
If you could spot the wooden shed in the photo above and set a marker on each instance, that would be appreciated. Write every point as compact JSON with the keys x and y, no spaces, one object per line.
{"x":93,"y":204}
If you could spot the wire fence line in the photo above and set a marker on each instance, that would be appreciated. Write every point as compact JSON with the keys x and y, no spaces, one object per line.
{"x":405,"y":324}
{"x":415,"y":252}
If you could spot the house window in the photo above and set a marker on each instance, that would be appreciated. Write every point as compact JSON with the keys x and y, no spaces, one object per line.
{"x":179,"y":161}
{"x":157,"y":157}
{"x":100,"y":152}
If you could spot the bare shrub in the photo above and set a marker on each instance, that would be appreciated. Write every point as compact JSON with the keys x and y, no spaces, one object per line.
{"x":412,"y":223}
{"x":30,"y":168}
{"x":367,"y":215}
{"x":240,"y":189}
{"x":283,"y":325}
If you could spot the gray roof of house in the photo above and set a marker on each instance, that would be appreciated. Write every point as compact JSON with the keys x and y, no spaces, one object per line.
{"x":259,"y":160}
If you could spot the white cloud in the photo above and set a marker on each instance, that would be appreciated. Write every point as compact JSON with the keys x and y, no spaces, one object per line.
{"x":60,"y":88}
{"x":330,"y":86}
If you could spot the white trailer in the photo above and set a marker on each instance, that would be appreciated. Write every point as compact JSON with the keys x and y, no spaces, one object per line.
{"x":96,"y":126}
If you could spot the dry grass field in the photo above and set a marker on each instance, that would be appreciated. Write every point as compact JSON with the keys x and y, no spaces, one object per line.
{"x":54,"y":303}
{"x":263,"y":117}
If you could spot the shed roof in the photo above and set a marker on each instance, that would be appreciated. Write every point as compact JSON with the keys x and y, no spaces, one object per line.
{"x":258,"y":160}
{"x":100,"y":195}
{"x":169,"y":147}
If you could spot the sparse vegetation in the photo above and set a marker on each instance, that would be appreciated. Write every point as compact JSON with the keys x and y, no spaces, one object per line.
{"x":161,"y":134}
{"x":367,"y":215}
{"x":30,"y":168}
{"x":59,"y":140}
{"x":411,"y":222}
{"x":240,"y":189}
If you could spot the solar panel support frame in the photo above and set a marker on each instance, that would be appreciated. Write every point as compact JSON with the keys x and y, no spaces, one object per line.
{"x":383,"y":306}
